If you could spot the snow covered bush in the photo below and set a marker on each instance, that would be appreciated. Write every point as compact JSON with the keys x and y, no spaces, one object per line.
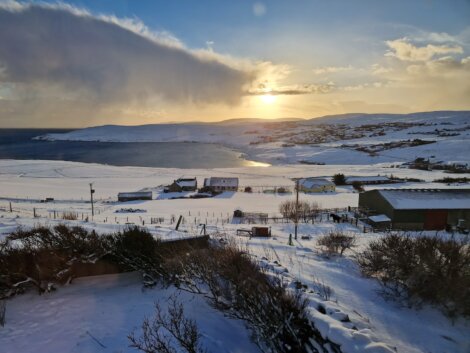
{"x":421,"y":269}
{"x":41,"y":257}
{"x":168,"y":332}
{"x":236,"y":284}
{"x":336,"y":242}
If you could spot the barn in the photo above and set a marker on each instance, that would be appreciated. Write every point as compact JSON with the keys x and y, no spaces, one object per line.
{"x":419,"y":209}
{"x":368,"y":179}
{"x":132,"y":196}
{"x":316,"y":185}
{"x":218,"y":184}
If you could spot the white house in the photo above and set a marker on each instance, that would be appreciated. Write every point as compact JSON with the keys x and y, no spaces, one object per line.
{"x":218,"y":184}
{"x":316,"y":185}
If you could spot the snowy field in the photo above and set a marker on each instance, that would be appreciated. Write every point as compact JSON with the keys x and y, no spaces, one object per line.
{"x":63,"y":321}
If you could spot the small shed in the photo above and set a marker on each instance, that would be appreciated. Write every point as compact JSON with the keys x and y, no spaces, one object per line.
{"x":261,"y":232}
{"x":137,"y":195}
{"x":380,"y":221}
{"x":316,"y":185}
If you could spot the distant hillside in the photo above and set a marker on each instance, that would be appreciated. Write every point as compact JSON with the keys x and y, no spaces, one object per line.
{"x":442,"y":136}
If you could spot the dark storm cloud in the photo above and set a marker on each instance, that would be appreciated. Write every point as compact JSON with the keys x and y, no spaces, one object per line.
{"x":58,"y":50}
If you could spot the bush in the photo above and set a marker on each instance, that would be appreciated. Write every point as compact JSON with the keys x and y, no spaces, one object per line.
{"x":169,"y":331}
{"x":289,"y":210}
{"x":337,"y":242}
{"x":357,"y":185}
{"x":421,"y":270}
{"x":43,"y":257}
{"x":70,"y":216}
{"x":234,"y":283}
{"x":339,"y":179}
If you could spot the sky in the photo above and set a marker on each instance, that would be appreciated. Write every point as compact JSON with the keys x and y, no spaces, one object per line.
{"x":96,"y":62}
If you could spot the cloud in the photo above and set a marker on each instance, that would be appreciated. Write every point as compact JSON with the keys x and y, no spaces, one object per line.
{"x":291,"y":90}
{"x":76,"y":56}
{"x":403,"y":50}
{"x":443,"y":67}
{"x":259,"y":9}
{"x":331,"y":69}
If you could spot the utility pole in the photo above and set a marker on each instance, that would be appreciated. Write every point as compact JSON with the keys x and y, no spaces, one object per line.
{"x":92,"y":191}
{"x":296,"y":208}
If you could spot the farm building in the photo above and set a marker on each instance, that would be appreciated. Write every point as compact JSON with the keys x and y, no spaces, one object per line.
{"x":182,"y":184}
{"x":368,"y":180}
{"x":316,"y":185}
{"x":380,"y":221}
{"x":420,"y":209}
{"x":132,"y":196}
{"x":218,"y":184}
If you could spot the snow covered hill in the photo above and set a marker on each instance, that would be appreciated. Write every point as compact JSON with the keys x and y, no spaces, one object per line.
{"x":442,"y":136}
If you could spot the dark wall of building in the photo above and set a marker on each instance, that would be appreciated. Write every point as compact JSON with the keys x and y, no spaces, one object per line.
{"x":375,"y":203}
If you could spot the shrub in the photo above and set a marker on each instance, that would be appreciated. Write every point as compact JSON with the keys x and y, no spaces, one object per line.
{"x":70,"y":216}
{"x":357,"y":185}
{"x":289,"y":210}
{"x":337,"y":242}
{"x":421,"y":270}
{"x":234,"y":283}
{"x":169,"y":331}
{"x":339,"y":179}
{"x":42,"y":256}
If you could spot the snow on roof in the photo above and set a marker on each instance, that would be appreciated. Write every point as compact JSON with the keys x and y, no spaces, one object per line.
{"x":350,"y":179}
{"x":379,"y":218}
{"x":217,"y":181}
{"x":187,"y":182}
{"x":436,"y":199}
{"x":312,"y":182}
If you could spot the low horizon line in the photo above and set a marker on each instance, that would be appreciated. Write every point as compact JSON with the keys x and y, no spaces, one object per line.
{"x":229,"y":119}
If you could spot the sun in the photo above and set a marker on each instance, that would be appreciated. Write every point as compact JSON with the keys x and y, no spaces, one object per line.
{"x":268,"y":98}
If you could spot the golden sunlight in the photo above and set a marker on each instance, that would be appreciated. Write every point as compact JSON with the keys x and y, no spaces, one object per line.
{"x":268,"y":98}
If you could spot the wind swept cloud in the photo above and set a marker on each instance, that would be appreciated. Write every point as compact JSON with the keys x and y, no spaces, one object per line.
{"x":403,"y":50}
{"x":331,"y":69}
{"x":105,"y":60}
{"x":292,"y":90}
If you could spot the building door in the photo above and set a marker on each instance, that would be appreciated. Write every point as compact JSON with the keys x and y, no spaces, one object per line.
{"x":435,"y":220}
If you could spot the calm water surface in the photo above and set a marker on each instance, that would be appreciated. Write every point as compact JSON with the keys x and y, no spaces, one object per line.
{"x":18,"y":144}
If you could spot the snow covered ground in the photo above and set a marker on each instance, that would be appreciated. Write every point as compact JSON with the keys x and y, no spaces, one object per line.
{"x":60,"y":321}
{"x":96,"y":314}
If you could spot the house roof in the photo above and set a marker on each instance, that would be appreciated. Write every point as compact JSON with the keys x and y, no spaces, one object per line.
{"x":217,"y":181}
{"x":379,"y":218}
{"x":433,"y":199}
{"x":186,"y":182}
{"x":310,"y":183}
{"x":365,"y":178}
